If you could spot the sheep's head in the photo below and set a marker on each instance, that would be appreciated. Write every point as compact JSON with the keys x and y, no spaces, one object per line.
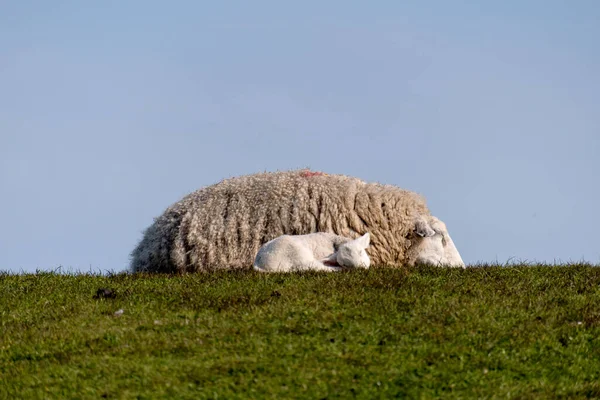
{"x":432,"y":244}
{"x":353,"y":254}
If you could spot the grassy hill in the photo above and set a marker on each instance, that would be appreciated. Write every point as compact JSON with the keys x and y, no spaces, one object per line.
{"x":485,"y":332}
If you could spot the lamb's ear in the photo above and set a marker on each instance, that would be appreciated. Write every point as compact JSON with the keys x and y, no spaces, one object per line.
{"x":422,"y":228}
{"x":361,"y":242}
{"x":364,"y":240}
{"x":331,"y":260}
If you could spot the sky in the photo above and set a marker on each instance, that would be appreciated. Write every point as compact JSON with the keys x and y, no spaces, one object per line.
{"x":112,"y":111}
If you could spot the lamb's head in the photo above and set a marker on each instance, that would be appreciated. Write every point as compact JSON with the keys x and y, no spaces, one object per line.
{"x":432,"y":244}
{"x":353,"y":254}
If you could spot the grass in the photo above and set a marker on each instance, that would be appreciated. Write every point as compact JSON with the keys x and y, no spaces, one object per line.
{"x":487,"y":332}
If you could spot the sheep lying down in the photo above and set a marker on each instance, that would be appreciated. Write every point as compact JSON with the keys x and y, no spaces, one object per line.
{"x":319,"y":251}
{"x":224,"y":225}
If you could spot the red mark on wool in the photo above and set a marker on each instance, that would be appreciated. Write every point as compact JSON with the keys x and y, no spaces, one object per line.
{"x":308,"y":174}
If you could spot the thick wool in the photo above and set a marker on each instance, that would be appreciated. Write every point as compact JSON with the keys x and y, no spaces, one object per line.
{"x":225,"y":224}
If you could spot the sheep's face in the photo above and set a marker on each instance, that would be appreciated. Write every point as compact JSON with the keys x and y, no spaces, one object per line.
{"x":353,"y":254}
{"x":432,"y":244}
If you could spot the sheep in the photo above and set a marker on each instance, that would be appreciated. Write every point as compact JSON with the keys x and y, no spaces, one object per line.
{"x":436,"y":246}
{"x":321,"y":251}
{"x":224,"y":225}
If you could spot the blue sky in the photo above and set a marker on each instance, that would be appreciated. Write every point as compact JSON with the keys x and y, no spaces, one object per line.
{"x":110,"y":112}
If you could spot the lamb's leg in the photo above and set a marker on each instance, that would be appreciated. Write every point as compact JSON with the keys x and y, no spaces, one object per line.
{"x":319,"y":266}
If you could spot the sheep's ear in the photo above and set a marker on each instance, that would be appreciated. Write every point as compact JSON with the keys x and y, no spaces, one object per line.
{"x":438,"y":226}
{"x":423,"y":229}
{"x":363,"y":241}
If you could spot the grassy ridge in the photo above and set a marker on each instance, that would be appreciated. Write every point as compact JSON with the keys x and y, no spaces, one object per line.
{"x":493,"y":332}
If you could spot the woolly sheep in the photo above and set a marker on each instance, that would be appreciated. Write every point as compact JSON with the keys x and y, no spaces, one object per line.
{"x":435,"y":246}
{"x":224,"y":225}
{"x":321,"y":251}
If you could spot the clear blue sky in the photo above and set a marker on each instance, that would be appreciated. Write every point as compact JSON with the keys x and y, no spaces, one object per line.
{"x":111,"y":111}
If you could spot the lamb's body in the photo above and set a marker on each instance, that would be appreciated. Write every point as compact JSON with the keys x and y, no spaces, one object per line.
{"x":320,"y":251}
{"x":225,"y":224}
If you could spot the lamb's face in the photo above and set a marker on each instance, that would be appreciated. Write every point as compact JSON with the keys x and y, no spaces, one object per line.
{"x":353,"y":254}
{"x":434,"y":246}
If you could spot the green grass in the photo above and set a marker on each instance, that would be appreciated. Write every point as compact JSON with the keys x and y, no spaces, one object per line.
{"x":487,"y":332}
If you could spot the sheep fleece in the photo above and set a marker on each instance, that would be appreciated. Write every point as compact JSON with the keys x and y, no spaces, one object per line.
{"x":224,"y":225}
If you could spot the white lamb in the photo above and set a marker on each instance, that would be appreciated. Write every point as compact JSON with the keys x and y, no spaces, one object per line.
{"x":319,"y":251}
